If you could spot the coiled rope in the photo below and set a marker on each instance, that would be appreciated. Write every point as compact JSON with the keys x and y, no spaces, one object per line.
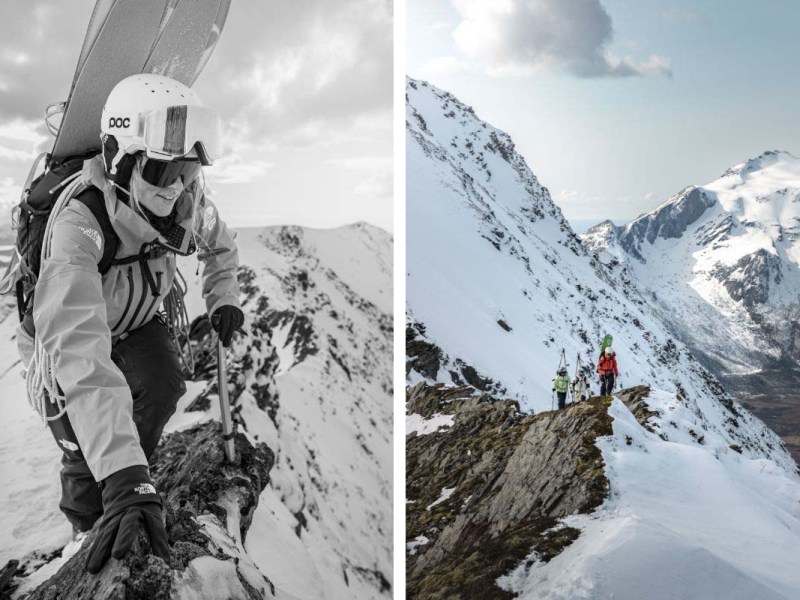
{"x":40,"y":377}
{"x":177,"y":319}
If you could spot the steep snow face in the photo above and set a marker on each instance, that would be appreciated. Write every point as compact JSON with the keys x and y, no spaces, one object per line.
{"x":723,"y":262}
{"x":313,"y":378}
{"x":498,"y":279}
{"x":320,"y":395}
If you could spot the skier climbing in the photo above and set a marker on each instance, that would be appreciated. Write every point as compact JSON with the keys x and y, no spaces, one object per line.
{"x":607,"y":368}
{"x":111,"y":352}
{"x":580,"y":387}
{"x":561,"y":386}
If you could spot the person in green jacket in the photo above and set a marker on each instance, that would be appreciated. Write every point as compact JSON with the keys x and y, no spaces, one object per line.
{"x":560,"y":387}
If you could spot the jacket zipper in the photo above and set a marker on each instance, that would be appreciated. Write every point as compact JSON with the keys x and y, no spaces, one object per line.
{"x":155,"y":298}
{"x":130,"y":300}
{"x":132,"y":324}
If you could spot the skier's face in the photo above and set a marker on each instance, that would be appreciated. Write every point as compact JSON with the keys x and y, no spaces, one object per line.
{"x":158,"y":200}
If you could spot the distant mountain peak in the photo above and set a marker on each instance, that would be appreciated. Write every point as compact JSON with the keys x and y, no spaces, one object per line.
{"x":763,"y":160}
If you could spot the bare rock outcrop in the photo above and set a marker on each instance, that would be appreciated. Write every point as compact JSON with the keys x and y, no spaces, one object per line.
{"x":489,"y":490}
{"x":208,"y":505}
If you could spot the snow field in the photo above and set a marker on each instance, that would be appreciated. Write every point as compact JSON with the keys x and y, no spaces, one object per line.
{"x":683,"y":520}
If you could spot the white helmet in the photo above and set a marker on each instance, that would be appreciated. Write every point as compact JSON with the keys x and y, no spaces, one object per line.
{"x":159,"y":116}
{"x":609,"y":350}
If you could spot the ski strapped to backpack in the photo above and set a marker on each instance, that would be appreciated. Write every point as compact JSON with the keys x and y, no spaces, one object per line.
{"x":43,"y":200}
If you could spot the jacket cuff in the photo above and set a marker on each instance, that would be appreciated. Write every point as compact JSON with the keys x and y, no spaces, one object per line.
{"x":131,"y":485}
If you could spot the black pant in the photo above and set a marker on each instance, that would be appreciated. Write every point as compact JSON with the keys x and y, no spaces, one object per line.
{"x":606,"y":383}
{"x":151,"y":365}
{"x":562,"y":399}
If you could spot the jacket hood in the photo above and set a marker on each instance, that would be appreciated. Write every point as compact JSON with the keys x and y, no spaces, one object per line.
{"x":131,"y":227}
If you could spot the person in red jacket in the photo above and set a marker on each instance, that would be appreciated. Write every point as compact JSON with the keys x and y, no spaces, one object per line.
{"x":607,"y":367}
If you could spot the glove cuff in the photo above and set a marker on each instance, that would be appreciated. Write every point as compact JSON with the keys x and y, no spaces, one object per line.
{"x":127,"y":487}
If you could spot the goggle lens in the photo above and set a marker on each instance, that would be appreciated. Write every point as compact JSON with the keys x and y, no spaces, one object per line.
{"x":176,"y":130}
{"x":162,"y":173}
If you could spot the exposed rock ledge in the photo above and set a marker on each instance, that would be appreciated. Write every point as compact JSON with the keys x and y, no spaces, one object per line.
{"x":490,"y":489}
{"x":209,"y":506}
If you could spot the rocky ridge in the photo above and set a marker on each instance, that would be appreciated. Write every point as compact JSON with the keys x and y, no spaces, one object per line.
{"x":490,"y":490}
{"x":309,"y":376}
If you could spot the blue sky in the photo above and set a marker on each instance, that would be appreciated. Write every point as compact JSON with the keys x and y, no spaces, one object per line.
{"x":690,"y":88}
{"x":304,"y":90}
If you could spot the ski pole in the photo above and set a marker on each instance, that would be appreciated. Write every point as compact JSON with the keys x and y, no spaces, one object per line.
{"x":224,"y":403}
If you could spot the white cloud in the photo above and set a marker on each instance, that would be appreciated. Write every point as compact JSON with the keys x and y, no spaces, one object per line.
{"x":16,"y":154}
{"x":376,"y":187}
{"x":567,"y":195}
{"x":363,"y":163}
{"x":520,"y":37}
{"x":10,"y":189}
{"x":236,"y":169}
{"x":300,"y":75}
{"x":22,"y":130}
{"x":443,"y":66}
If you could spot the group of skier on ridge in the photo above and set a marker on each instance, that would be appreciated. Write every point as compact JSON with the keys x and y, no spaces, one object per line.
{"x":579,"y":386}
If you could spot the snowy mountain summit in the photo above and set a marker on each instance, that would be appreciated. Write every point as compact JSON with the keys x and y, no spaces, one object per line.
{"x":307,"y":512}
{"x":723,"y":261}
{"x":721,"y":265}
{"x":643,"y":494}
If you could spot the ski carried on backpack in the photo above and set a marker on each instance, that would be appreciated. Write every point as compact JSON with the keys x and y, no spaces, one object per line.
{"x":607,"y":341}
{"x":174,"y":38}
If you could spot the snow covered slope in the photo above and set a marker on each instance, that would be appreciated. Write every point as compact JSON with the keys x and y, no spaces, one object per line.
{"x":684,"y":503}
{"x":313,"y":378}
{"x":723,"y":261}
{"x":498,"y":284}
{"x":497,"y":278}
{"x":721,"y":264}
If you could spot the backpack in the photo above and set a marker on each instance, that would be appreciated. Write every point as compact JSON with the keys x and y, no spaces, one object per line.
{"x":33,"y":213}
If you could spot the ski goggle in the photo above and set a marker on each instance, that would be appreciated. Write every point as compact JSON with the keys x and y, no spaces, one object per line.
{"x":175,"y":131}
{"x":163,"y":173}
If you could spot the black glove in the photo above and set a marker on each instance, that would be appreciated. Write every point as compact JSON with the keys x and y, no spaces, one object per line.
{"x":225,"y":320}
{"x":130,"y":501}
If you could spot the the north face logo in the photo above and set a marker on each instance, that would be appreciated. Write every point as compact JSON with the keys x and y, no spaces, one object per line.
{"x":145,"y":488}
{"x":93,"y":235}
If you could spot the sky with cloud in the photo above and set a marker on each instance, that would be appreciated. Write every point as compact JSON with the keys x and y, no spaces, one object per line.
{"x":617,"y":105}
{"x":304,"y":90}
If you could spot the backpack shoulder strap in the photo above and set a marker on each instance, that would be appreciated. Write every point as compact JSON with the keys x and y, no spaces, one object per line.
{"x":95,"y":202}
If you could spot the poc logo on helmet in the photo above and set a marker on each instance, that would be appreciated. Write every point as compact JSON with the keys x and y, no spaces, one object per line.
{"x":120,"y":122}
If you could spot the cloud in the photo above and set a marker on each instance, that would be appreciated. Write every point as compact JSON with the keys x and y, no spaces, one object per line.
{"x":377,"y":187}
{"x":14,"y":154}
{"x":38,"y":52}
{"x":279,"y":67}
{"x":443,"y":66}
{"x":363,"y":163}
{"x":297,"y":74}
{"x":235,"y":169}
{"x":525,"y":36}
